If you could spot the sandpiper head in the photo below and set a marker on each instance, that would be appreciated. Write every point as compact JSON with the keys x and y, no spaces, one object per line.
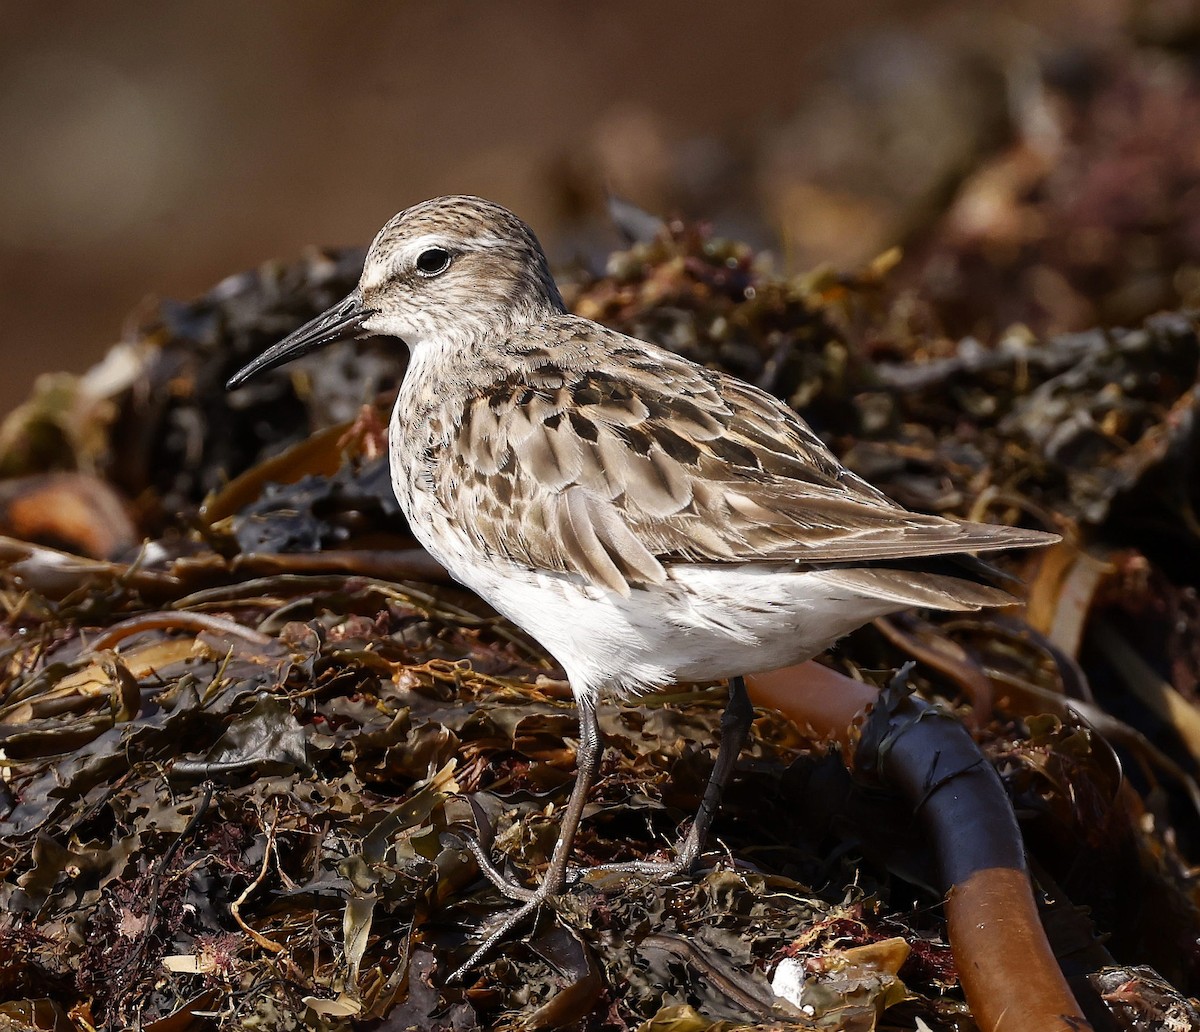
{"x":448,"y":268}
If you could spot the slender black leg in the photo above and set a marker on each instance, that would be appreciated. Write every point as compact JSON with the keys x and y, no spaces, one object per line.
{"x":588,"y":759}
{"x":556,"y":872}
{"x":735,"y":726}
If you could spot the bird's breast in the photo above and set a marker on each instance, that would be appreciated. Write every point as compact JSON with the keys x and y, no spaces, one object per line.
{"x":412,"y":458}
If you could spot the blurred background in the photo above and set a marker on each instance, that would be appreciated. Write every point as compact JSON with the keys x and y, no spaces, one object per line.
{"x":149,"y":150}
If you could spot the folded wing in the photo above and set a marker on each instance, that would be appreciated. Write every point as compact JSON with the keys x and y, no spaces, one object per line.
{"x":615,"y":476}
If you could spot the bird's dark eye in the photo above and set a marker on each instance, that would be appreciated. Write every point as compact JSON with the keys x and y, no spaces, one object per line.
{"x":433,"y":261}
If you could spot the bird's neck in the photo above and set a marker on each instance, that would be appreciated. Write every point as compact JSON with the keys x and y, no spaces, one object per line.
{"x":479,"y":323}
{"x":475,"y":352}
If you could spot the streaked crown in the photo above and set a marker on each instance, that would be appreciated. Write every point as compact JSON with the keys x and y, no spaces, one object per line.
{"x":456,"y":267}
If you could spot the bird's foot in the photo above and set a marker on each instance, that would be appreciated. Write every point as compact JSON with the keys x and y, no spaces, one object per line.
{"x":686,"y":853}
{"x":526,"y":911}
{"x":490,"y":871}
{"x":651,"y":870}
{"x":532,"y":900}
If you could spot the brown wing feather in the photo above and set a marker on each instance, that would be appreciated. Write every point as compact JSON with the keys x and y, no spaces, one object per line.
{"x":615,"y":473}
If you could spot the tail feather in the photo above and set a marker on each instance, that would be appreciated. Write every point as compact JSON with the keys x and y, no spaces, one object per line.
{"x":914,"y":587}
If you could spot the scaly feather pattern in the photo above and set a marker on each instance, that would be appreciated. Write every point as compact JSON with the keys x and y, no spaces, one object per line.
{"x":616,"y":460}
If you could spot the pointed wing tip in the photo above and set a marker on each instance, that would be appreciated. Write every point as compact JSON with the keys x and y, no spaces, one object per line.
{"x":1003,"y":537}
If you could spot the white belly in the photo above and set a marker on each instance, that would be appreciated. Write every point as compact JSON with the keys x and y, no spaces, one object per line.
{"x":707,"y":622}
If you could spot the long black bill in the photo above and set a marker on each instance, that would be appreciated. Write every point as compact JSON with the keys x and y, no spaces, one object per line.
{"x":345,"y":319}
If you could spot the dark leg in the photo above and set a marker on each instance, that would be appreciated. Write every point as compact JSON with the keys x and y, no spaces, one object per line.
{"x":587,"y":761}
{"x":735,"y":726}
{"x":556,"y":873}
